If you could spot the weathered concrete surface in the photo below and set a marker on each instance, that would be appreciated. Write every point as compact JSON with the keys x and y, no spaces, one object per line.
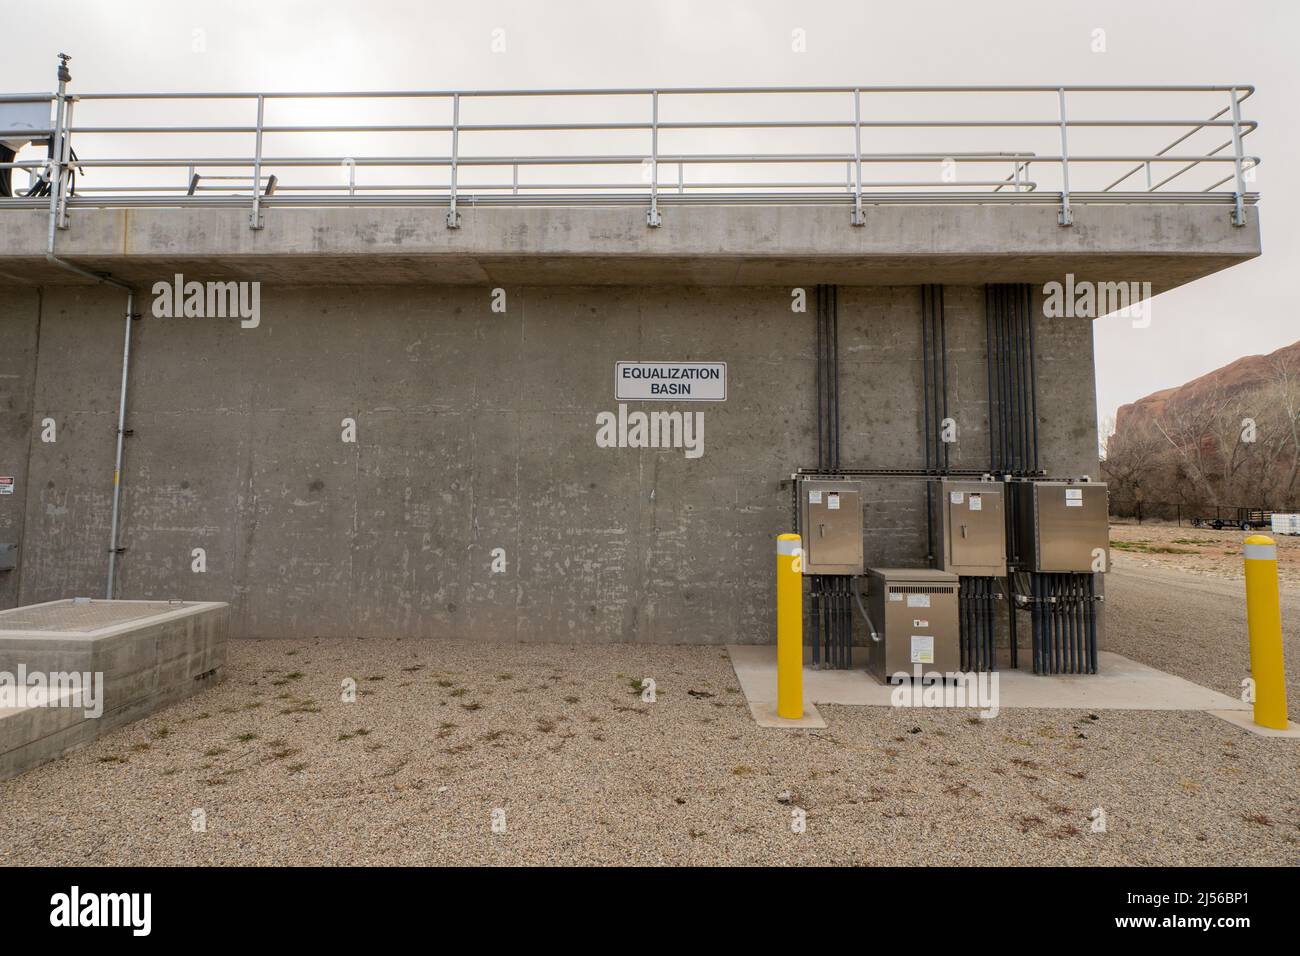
{"x":1165,"y":244}
{"x":157,"y":654}
{"x":476,"y":431}
{"x":1119,"y":684}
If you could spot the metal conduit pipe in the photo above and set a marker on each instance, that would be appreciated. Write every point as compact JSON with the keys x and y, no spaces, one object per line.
{"x":937,"y":301}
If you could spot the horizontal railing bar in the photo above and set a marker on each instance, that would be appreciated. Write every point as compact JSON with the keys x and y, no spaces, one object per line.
{"x":1246,"y":88}
{"x":663,"y":184}
{"x":641,"y":127}
{"x":629,"y":160}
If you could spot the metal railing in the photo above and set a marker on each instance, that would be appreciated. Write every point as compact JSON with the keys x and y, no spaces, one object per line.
{"x":675,"y":138}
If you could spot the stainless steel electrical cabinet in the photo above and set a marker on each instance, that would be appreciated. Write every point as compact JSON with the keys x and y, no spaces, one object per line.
{"x":969,"y":527}
{"x":1063,"y":526}
{"x":915,"y":610}
{"x":830,"y":522}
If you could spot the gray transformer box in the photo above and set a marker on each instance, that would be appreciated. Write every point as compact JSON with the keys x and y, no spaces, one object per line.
{"x":1063,"y":526}
{"x":969,"y":529}
{"x":830,"y":523}
{"x":915,"y":610}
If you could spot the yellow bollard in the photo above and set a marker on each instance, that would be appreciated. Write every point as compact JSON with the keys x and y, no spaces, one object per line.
{"x":1264,"y":620}
{"x":789,"y":627}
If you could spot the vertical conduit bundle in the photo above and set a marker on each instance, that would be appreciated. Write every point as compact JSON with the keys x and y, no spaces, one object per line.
{"x":828,"y":378}
{"x":832,"y":595}
{"x":1065,"y":623}
{"x":1013,"y":424}
{"x":1012,"y":380}
{"x":976,"y":597}
{"x":934,"y":374}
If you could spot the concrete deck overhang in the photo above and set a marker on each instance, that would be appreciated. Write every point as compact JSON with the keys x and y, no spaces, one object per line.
{"x":798,"y":245}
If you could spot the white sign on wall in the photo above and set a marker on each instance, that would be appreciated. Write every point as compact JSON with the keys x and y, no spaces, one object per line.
{"x":670,"y":381}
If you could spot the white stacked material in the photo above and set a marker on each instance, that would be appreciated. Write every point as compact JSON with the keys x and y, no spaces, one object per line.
{"x":1286,"y":523}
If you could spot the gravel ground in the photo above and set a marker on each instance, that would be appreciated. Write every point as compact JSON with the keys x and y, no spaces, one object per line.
{"x":443,"y":734}
{"x":1199,"y":551}
{"x":1193,"y":626}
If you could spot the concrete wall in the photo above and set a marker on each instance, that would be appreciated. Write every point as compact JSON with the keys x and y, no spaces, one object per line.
{"x":475,"y":430}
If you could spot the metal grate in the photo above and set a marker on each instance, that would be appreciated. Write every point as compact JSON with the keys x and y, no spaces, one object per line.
{"x":76,"y":616}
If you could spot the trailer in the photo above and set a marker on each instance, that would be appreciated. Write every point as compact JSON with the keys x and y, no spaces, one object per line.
{"x":1244,"y":518}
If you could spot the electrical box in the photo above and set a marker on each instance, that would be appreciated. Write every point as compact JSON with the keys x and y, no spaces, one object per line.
{"x":830,"y":523}
{"x":915,"y":610}
{"x":17,"y":119}
{"x":969,"y":528}
{"x":1064,"y":526}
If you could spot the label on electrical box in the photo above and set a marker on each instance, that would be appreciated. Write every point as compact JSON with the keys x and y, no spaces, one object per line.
{"x":955,"y":497}
{"x":814,"y":497}
{"x":6,"y":484}
{"x":976,"y":503}
{"x":918,"y":600}
{"x":833,"y":502}
{"x":918,"y":622}
{"x":922,"y":649}
{"x":895,"y":597}
{"x":1074,"y":497}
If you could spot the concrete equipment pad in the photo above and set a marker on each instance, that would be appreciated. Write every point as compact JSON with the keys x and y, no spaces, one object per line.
{"x":134,"y":657}
{"x":1246,"y":721}
{"x":1120,"y":684}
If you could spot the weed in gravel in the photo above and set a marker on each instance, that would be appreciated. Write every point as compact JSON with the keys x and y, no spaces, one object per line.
{"x":472,"y":705}
{"x":215,"y":751}
{"x":246,"y":737}
{"x":301,"y":707}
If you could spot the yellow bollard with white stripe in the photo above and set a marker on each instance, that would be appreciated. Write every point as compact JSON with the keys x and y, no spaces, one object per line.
{"x":1264,"y":620}
{"x":789,"y":627}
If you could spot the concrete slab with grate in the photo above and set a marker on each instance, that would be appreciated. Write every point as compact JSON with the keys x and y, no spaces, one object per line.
{"x":130,"y":657}
{"x":83,"y":616}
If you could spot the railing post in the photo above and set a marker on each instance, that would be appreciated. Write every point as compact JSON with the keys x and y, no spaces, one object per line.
{"x":1066,"y":217}
{"x":453,"y":217}
{"x":857,"y":218}
{"x":1239,"y":206}
{"x":65,"y":164}
{"x":652,"y":217}
{"x":56,"y":165}
{"x":255,"y":217}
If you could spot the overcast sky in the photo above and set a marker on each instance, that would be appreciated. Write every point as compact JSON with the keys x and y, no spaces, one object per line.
{"x":194,"y":45}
